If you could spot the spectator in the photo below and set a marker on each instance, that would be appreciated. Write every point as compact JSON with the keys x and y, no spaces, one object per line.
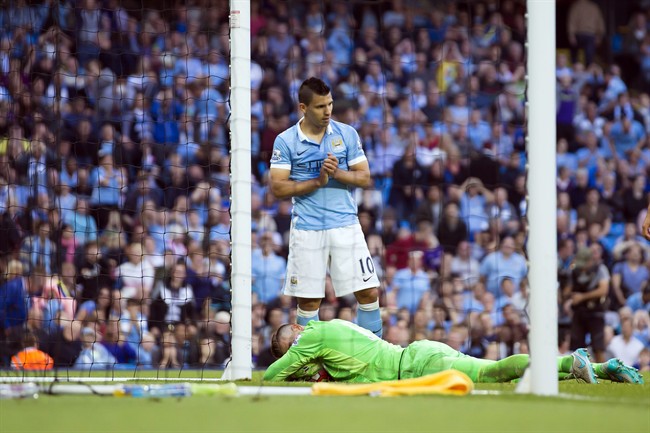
{"x":173,"y":315}
{"x":107,"y":182}
{"x":410,"y":284}
{"x":96,"y":310}
{"x":268,"y":270}
{"x":83,"y":225}
{"x":586,"y":29}
{"x":31,"y":358}
{"x":136,"y":275}
{"x":13,"y":310}
{"x":625,"y":346}
{"x":626,"y":135}
{"x":39,"y":250}
{"x":473,"y":202}
{"x":640,"y":300}
{"x":431,"y":207}
{"x":630,"y":276}
{"x":94,"y":355}
{"x":464,"y":265}
{"x":452,"y":230}
{"x":116,"y":346}
{"x":501,"y":264}
{"x":503,"y":214}
{"x":587,"y":290}
{"x":635,"y":198}
{"x":408,"y":181}
{"x":594,"y":212}
{"x":93,"y":272}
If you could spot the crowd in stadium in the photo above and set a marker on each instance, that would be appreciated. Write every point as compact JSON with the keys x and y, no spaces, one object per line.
{"x":114,"y":172}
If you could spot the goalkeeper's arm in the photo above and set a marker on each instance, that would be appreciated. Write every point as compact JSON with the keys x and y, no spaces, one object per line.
{"x":287,"y":365}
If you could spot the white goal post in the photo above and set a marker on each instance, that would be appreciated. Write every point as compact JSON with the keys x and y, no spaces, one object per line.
{"x":542,"y":197}
{"x":240,"y":366}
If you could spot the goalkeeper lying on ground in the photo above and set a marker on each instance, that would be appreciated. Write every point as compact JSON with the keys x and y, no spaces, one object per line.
{"x":349,"y":353}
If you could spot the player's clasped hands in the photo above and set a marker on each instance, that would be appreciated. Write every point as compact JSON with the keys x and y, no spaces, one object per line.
{"x":329,"y":168}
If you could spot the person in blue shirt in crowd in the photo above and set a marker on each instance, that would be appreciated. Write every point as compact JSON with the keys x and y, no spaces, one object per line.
{"x":317,"y":162}
{"x":268,"y":270}
{"x":505,"y":263}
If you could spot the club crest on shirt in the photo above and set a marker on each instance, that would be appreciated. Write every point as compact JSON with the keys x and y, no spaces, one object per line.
{"x":294,"y":280}
{"x":337,"y":145}
{"x":275,"y":157}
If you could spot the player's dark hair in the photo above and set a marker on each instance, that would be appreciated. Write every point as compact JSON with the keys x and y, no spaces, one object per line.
{"x":311,"y":86}
{"x":276,"y":340}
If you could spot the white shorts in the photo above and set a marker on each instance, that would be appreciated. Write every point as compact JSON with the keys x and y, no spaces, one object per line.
{"x":344,"y":249}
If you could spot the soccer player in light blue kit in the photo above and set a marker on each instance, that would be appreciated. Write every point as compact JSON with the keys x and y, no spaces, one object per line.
{"x":318,"y":162}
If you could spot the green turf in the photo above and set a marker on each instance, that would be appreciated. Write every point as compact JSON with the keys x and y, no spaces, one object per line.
{"x":606,"y":407}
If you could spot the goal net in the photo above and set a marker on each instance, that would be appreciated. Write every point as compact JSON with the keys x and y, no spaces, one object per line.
{"x":116,"y":175}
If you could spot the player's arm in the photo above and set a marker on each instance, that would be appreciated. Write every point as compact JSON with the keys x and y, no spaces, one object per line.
{"x":358,"y":175}
{"x":282,"y":187}
{"x":358,"y":172}
{"x":283,"y":368}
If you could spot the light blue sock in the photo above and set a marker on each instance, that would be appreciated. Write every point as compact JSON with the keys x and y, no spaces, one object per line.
{"x":369,"y":317}
{"x":304,"y":317}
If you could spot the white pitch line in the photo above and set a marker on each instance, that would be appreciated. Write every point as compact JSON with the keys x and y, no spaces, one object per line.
{"x":49,"y":379}
{"x":274,"y":390}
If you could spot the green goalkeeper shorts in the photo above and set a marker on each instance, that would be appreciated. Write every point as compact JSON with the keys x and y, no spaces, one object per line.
{"x":425,"y":357}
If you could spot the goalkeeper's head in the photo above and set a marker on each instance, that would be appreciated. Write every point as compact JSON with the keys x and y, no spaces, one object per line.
{"x":284,"y":337}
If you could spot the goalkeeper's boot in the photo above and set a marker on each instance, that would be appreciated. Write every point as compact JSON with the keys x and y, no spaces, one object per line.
{"x":619,"y":372}
{"x":581,"y":368}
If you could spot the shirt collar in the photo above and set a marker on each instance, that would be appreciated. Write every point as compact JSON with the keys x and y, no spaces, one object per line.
{"x":303,"y":137}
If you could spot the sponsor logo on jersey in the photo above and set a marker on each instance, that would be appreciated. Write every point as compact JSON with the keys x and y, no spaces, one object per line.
{"x":294,"y":280}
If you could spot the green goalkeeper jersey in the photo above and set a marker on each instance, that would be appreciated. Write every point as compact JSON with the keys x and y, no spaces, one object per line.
{"x":348,"y":352}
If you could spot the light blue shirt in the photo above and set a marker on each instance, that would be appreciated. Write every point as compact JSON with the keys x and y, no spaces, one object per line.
{"x":625,"y":141}
{"x":107,"y":195}
{"x":495,"y":267}
{"x":568,"y":160}
{"x":635,"y":302}
{"x":479,"y":133}
{"x":472,"y":211}
{"x":411,"y":288}
{"x":331,"y":206}
{"x":83,"y":226}
{"x":589,"y":158}
{"x":268,"y":273}
{"x":217,"y":72}
{"x":632,"y":280}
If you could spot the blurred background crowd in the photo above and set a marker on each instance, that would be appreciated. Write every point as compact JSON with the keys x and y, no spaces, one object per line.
{"x":114,"y":170}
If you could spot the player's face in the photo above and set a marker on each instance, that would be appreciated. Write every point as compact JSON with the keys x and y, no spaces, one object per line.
{"x":319,"y":110}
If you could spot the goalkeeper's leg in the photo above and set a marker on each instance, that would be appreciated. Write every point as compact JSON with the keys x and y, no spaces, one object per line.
{"x":505,"y":370}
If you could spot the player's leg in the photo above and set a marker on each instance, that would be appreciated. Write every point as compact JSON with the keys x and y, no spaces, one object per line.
{"x":428,"y":357}
{"x":307,"y":310}
{"x":353,"y":271}
{"x":616,"y":371}
{"x":368,"y":314}
{"x":306,"y":272}
{"x":513,"y":367}
{"x":488,"y":371}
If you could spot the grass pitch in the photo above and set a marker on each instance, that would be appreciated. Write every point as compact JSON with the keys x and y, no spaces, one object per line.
{"x":607,"y":407}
